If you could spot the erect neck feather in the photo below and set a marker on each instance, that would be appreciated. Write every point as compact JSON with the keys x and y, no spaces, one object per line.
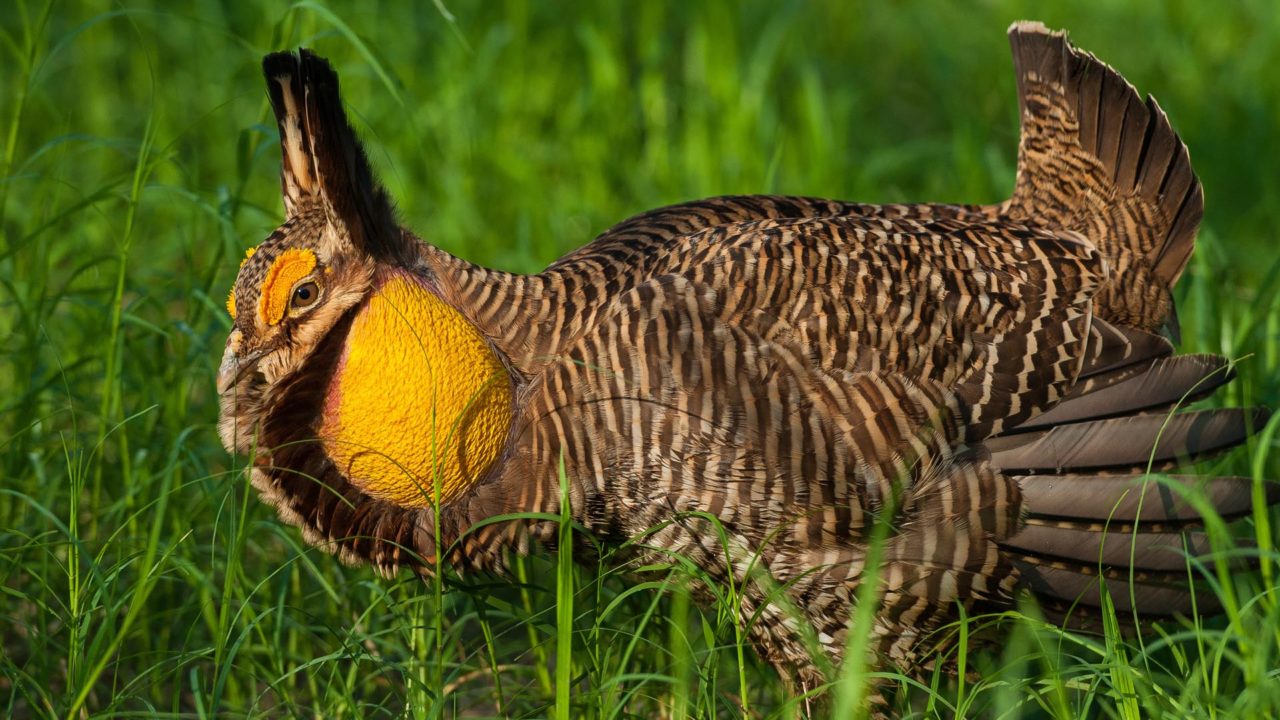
{"x":419,"y":403}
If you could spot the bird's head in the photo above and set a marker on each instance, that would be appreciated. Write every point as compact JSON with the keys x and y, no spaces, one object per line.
{"x":358,"y":390}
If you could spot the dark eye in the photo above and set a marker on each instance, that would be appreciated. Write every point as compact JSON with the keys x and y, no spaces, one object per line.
{"x":305,"y":295}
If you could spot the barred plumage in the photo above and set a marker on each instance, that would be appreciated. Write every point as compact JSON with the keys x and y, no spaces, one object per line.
{"x":989,"y":379}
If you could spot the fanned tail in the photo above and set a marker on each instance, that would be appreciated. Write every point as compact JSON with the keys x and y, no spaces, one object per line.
{"x":1097,"y":159}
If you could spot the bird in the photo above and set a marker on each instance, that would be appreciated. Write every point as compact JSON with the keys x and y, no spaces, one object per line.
{"x":771,"y":387}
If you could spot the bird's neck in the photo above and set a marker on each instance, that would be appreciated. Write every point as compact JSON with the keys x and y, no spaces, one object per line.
{"x":522,"y":315}
{"x":419,"y":402}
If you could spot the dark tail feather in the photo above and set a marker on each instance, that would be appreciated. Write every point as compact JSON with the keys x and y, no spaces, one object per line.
{"x":1120,"y":502}
{"x":1164,"y":384}
{"x":1075,"y":592}
{"x":1133,"y":443}
{"x":1148,"y":552}
{"x":1132,"y":535}
{"x":1095,"y":522}
{"x":1117,"y":352}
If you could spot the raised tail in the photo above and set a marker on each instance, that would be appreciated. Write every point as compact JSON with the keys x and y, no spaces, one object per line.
{"x":1097,"y":158}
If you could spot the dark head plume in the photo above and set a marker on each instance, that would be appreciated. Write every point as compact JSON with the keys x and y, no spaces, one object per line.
{"x":322,"y":159}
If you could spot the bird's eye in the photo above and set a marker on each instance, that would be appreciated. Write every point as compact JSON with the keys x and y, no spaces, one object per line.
{"x":305,"y":295}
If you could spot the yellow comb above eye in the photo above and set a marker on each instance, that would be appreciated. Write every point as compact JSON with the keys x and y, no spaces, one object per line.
{"x":231,"y":296}
{"x":289,"y":268}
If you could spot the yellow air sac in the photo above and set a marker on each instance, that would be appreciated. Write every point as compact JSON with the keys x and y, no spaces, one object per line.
{"x":418,"y":398}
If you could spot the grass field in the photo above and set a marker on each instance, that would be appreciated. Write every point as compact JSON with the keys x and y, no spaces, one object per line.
{"x":141,"y":576}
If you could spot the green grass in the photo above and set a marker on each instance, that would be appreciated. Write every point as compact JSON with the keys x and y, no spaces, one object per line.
{"x":141,"y":576}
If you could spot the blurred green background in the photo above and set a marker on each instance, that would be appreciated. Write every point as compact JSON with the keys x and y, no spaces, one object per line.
{"x":139,"y":161}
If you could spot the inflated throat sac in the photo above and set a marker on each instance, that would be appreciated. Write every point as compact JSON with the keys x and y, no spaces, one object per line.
{"x":418,"y":403}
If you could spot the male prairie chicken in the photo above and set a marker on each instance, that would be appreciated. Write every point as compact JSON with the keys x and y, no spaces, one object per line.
{"x":992,"y":381}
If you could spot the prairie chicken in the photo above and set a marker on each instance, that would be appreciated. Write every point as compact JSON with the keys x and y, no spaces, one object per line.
{"x":992,"y":381}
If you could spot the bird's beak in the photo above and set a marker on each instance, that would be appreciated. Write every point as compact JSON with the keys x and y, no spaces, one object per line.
{"x":232,"y":364}
{"x":228,"y":370}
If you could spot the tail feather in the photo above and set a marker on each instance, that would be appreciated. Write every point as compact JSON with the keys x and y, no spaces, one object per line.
{"x":1148,"y":552}
{"x":1097,"y":159}
{"x":1094,"y":522}
{"x":1178,"y":244}
{"x":1081,"y":587}
{"x":1121,"y":501}
{"x":1115,"y":348}
{"x":1165,"y":383}
{"x":1136,"y":442}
